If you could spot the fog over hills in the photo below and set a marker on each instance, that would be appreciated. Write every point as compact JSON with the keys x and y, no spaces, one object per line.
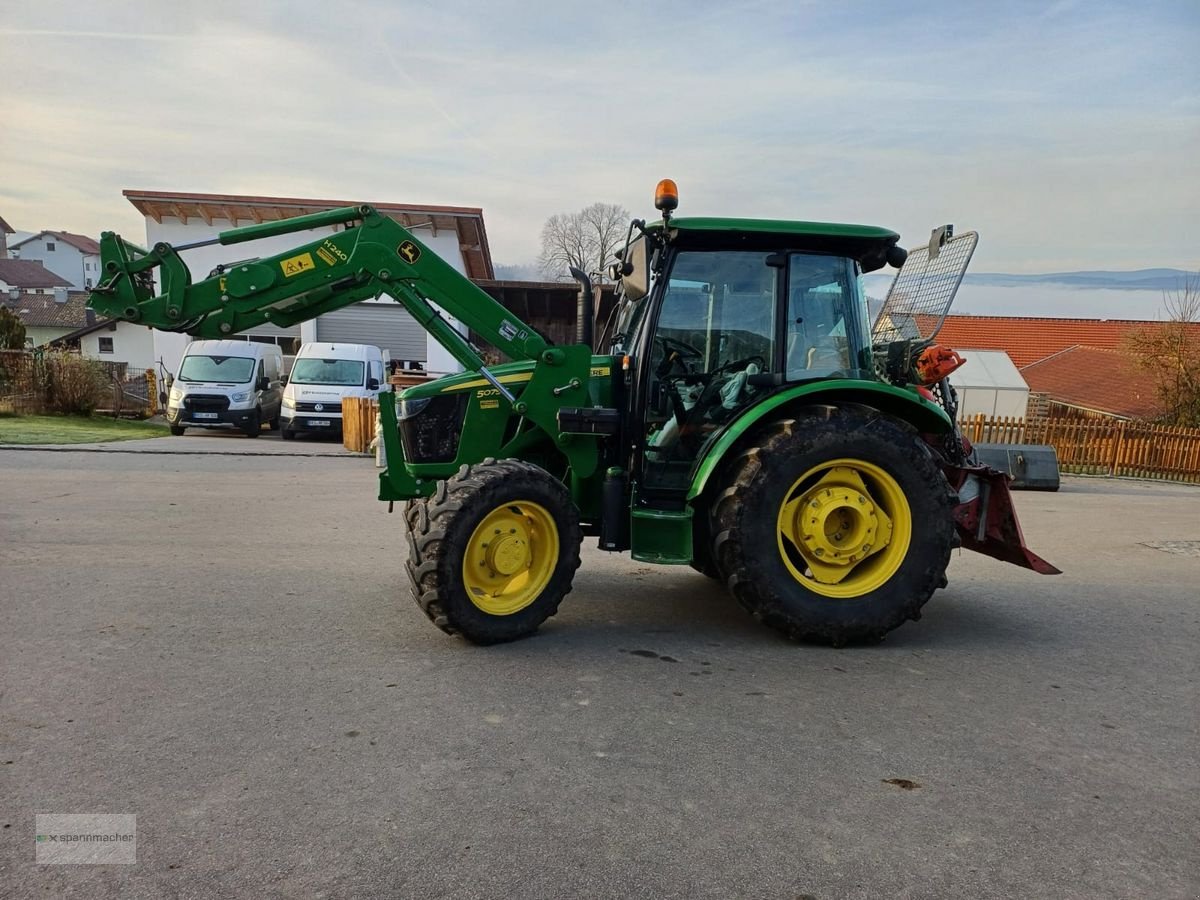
{"x":1137,"y":280}
{"x":1136,"y":294}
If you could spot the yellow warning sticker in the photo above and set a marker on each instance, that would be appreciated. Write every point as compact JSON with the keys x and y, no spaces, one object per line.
{"x":294,"y":265}
{"x":326,"y":256}
{"x":489,"y":404}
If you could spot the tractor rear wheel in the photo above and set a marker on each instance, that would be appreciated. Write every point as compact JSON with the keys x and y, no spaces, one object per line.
{"x":493,"y":550}
{"x":836,"y":527}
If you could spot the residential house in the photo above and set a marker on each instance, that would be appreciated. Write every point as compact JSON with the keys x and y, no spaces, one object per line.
{"x":47,"y":317}
{"x":29,"y":276}
{"x":5,"y":231}
{"x":74,"y":257}
{"x":113,"y":340}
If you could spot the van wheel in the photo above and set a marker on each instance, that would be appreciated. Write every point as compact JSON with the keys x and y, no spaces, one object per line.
{"x":273,"y":425}
{"x":254,"y":427}
{"x":177,"y":430}
{"x":287,"y":434}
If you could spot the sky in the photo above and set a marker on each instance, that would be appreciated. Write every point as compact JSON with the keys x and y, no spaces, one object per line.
{"x":1066,"y":133}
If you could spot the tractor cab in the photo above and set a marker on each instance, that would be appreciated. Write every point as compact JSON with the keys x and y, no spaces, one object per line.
{"x":716,"y":314}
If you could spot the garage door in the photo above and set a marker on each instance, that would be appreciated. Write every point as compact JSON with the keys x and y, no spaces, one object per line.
{"x":386,"y":325}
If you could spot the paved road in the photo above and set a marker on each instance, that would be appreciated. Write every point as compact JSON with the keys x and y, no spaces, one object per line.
{"x":223,"y":646}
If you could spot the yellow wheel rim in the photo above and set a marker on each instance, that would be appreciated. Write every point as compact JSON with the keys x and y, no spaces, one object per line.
{"x":844,"y":528}
{"x":510,"y":558}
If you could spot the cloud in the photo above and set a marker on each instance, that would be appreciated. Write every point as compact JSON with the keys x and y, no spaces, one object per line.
{"x":1066,"y":135}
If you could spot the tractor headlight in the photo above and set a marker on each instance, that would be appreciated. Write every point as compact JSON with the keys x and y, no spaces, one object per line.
{"x":410,"y":408}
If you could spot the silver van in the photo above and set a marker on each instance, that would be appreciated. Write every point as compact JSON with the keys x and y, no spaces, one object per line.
{"x":227,"y":384}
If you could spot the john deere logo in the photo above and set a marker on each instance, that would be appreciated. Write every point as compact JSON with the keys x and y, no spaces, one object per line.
{"x":318,"y":407}
{"x":410,"y":251}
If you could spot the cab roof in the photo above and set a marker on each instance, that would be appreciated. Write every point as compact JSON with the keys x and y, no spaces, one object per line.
{"x":866,"y":243}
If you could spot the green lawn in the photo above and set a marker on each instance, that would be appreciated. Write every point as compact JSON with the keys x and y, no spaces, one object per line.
{"x":73,"y":430}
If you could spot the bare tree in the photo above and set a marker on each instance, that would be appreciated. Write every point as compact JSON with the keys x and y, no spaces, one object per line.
{"x":586,"y":239}
{"x":1169,"y":353}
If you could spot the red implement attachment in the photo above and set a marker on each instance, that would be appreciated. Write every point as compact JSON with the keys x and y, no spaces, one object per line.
{"x":986,"y":520}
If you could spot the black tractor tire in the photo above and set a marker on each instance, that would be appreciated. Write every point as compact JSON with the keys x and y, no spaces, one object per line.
{"x":177,"y":430}
{"x":744,"y":524}
{"x":287,"y":434}
{"x":254,"y":427}
{"x":441,"y":525}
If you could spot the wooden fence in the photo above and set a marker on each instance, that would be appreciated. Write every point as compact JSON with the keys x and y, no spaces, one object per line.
{"x":358,"y":423}
{"x":1101,"y":447}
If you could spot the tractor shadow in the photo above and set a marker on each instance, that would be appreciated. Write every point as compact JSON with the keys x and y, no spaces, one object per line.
{"x":626,"y":610}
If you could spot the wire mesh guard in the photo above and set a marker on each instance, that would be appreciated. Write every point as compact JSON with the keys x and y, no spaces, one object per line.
{"x":923,"y":291}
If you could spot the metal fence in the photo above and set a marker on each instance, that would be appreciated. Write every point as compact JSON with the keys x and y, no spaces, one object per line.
{"x":27,"y":377}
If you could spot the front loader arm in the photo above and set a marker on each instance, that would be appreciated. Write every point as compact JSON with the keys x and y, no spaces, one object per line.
{"x":372,"y":256}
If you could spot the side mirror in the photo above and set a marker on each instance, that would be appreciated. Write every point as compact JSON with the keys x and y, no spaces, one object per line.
{"x":635,"y":270}
{"x":372,"y":384}
{"x":282,"y":380}
{"x":264,"y":383}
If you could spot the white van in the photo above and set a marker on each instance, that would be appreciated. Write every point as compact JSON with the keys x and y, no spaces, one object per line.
{"x":324,"y":373}
{"x":227,"y":384}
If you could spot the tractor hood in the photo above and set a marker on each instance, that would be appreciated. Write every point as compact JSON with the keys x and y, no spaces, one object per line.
{"x":513,"y":373}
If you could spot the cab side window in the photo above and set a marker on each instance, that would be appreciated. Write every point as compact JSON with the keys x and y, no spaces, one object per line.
{"x":822,"y":316}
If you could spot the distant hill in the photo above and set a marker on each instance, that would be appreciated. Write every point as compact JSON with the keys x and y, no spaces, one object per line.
{"x":1137,"y":280}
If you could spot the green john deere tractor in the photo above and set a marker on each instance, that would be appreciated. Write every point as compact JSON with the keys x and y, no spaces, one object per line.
{"x":741,"y":412}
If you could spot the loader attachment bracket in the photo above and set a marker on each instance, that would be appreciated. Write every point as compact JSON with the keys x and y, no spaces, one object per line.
{"x":986,"y":520}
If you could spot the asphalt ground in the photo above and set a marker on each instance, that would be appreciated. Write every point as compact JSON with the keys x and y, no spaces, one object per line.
{"x":225,"y":647}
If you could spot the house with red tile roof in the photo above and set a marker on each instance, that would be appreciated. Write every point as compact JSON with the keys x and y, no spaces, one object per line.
{"x":48,"y":316}
{"x":1079,"y":364}
{"x":75,"y":257}
{"x":1094,"y":380}
{"x":1027,"y":339}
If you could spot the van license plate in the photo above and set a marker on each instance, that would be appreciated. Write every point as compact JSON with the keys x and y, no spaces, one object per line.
{"x":318,"y":423}
{"x":204,"y":415}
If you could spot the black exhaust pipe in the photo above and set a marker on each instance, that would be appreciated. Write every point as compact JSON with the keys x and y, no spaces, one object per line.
{"x":584,"y":308}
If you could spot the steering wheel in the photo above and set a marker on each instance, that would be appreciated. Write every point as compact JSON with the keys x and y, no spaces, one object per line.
{"x":683,"y":347}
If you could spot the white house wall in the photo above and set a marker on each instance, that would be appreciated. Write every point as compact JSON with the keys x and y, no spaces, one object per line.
{"x":132,"y":344}
{"x":169,"y":346}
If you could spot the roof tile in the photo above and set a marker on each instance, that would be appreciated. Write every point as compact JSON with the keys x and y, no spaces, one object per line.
{"x":43,"y":311}
{"x":1095,"y":378}
{"x":29,"y":273}
{"x":1029,"y":339}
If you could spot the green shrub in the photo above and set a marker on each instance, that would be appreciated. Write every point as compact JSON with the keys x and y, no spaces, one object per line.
{"x":71,"y":384}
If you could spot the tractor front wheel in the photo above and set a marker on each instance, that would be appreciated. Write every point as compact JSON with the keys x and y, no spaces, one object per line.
{"x":493,"y":550}
{"x":836,"y":527}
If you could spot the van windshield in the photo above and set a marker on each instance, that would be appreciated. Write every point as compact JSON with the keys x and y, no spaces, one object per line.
{"x":327,"y":371}
{"x":230,"y":369}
